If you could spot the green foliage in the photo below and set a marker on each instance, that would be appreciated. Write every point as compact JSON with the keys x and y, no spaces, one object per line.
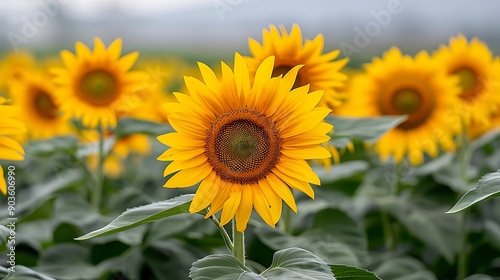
{"x":344,"y":272}
{"x":291,"y":263}
{"x":487,"y":187}
{"x":143,"y":214}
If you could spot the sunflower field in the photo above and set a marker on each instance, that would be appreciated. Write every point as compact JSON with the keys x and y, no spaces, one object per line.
{"x":289,"y":158}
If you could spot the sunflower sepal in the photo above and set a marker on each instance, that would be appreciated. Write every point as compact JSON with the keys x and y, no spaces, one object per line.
{"x":137,"y":216}
{"x":288,"y":263}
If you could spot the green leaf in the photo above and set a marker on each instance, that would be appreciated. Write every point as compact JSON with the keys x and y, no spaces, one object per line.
{"x":479,"y":277}
{"x":332,"y":226}
{"x":332,"y":252}
{"x":4,"y":234}
{"x":492,"y":230}
{"x":297,"y":263}
{"x":404,"y":268}
{"x":128,"y":126}
{"x":54,"y":145}
{"x":342,"y":272}
{"x":144,"y":214}
{"x":158,"y":256}
{"x":367,"y":129}
{"x":427,"y":222}
{"x":22,"y":273}
{"x":69,"y":262}
{"x":36,"y":195}
{"x":488,"y":186}
{"x":221,"y":267}
{"x":340,"y":171}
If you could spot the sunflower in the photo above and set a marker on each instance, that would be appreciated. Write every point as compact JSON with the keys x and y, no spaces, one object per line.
{"x":41,"y":112}
{"x":473,"y":63}
{"x":398,"y":84}
{"x":15,"y":67}
{"x":9,"y":148}
{"x":95,"y":86}
{"x":246,"y":142}
{"x":319,"y":70}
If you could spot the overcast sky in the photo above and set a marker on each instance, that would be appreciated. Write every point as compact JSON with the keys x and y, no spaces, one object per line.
{"x":224,"y":25}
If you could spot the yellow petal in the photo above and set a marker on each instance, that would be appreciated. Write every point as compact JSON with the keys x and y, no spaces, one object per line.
{"x":3,"y":185}
{"x":295,"y":183}
{"x":189,"y":177}
{"x":262,"y":204}
{"x":316,"y":152}
{"x":177,"y":165}
{"x":180,"y":141}
{"x":245,"y":208}
{"x":230,"y":206}
{"x":206,"y":193}
{"x":298,"y":169}
{"x":127,"y":61}
{"x":280,"y":188}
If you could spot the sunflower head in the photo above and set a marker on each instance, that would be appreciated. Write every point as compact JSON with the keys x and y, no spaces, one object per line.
{"x":398,"y":84}
{"x":36,"y":95}
{"x":473,"y":64}
{"x":96,"y":85}
{"x":245,"y":142}
{"x":15,"y":67}
{"x":319,"y":70}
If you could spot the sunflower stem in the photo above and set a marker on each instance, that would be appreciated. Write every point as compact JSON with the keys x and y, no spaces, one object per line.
{"x":287,"y":220}
{"x":464,"y":154}
{"x":97,"y":190}
{"x":239,"y":243}
{"x":223,"y":232}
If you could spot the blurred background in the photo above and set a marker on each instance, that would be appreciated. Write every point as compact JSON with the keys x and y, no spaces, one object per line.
{"x":214,"y":29}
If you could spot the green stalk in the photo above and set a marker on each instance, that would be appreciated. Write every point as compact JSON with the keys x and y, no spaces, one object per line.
{"x":239,"y":244}
{"x":225,"y":235}
{"x":287,"y":220}
{"x":465,"y":155}
{"x":97,"y":190}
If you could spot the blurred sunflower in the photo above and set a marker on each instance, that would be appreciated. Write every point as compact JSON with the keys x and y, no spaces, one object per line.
{"x":398,"y":84}
{"x":319,"y":70}
{"x":473,"y":63}
{"x":9,"y":148}
{"x":246,"y":142}
{"x":15,"y":67}
{"x":95,"y":86}
{"x":137,"y":144}
{"x":41,"y":112}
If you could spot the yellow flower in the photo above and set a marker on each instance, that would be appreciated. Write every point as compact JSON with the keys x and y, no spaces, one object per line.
{"x":398,"y":84}
{"x":9,"y":148}
{"x":15,"y":67}
{"x":246,"y":142}
{"x":479,"y":77}
{"x":319,"y":70}
{"x":41,"y":114}
{"x":95,"y":86}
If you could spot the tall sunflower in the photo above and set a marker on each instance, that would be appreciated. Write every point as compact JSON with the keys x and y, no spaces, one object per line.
{"x":9,"y":148}
{"x":41,"y":114}
{"x":246,"y":142}
{"x":319,"y":70}
{"x":472,"y":62}
{"x":398,"y":84}
{"x":96,"y":85}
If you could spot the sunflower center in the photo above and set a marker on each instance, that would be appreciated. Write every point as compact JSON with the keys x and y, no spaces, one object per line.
{"x":468,"y":83}
{"x":406,"y":101}
{"x":410,"y":101}
{"x":243,"y":146}
{"x":44,"y":105}
{"x":282,"y":70}
{"x":98,"y":87}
